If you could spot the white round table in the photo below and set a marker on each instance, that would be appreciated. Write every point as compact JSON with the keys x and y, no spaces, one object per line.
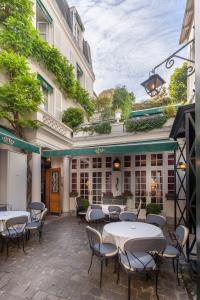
{"x":5,"y":215}
{"x":119,"y":232}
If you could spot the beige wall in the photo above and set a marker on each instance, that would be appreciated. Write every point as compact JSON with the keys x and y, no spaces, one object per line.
{"x":62,"y":38}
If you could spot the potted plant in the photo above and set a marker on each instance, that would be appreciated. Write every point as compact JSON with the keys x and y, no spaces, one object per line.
{"x":153,"y":208}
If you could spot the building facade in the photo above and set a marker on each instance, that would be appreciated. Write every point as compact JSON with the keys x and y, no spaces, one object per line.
{"x":62,"y":27}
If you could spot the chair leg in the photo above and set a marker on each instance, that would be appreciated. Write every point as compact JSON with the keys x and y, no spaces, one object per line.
{"x":23,"y":243}
{"x":2,"y":245}
{"x":90,"y":263}
{"x":173,"y":265}
{"x":118,"y":273}
{"x":129,"y":287}
{"x":40,"y":235}
{"x":101,"y":273}
{"x":157,"y":273}
{"x":7,"y":249}
{"x":177,"y":270}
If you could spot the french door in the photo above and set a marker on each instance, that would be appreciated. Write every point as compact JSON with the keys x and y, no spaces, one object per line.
{"x":149,"y":179}
{"x":96,"y":187}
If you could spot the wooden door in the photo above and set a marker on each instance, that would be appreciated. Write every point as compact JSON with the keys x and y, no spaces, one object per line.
{"x":53,"y":190}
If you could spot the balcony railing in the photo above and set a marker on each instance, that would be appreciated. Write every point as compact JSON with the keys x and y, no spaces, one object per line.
{"x":55,"y":124}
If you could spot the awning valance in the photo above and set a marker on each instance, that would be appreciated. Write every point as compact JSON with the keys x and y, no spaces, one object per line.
{"x":45,"y":11}
{"x":44,"y":83}
{"x":8,"y":138}
{"x":137,"y":147}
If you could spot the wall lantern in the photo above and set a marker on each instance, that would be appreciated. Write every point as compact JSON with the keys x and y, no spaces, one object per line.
{"x":48,"y":159}
{"x":153,"y":184}
{"x":182,"y":166}
{"x":153,"y":84}
{"x":116,"y":165}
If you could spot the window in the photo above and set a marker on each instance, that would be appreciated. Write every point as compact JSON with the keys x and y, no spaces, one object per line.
{"x":84,"y":163}
{"x":43,"y":28}
{"x":45,"y":94}
{"x":156,"y":159}
{"x":84,"y":178}
{"x":127,"y":161}
{"x":108,"y":162}
{"x":74,"y":164}
{"x":74,"y":182}
{"x":171,"y":183}
{"x":171,"y":159}
{"x":127,"y":181}
{"x":140,"y":160}
{"x":46,"y":90}
{"x":108,"y":182}
{"x":79,"y":72}
{"x":96,"y":162}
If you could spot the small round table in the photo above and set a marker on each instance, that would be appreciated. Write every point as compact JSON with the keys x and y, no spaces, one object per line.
{"x":118,"y":232}
{"x":5,"y":215}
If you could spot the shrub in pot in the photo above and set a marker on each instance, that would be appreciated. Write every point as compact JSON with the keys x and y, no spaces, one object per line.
{"x":153,"y":208}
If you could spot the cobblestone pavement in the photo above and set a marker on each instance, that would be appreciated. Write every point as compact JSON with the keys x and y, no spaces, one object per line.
{"x":57,"y":269}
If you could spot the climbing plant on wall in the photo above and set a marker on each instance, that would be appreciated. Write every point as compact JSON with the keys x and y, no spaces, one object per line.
{"x":20,"y":41}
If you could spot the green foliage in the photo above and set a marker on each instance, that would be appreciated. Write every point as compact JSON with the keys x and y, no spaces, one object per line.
{"x":103,"y":103}
{"x":101,"y":128}
{"x":178,"y":84}
{"x":21,"y":95}
{"x":145,"y":124}
{"x":170,"y":111}
{"x":153,"y":208}
{"x":123,"y":100}
{"x":162,"y":99}
{"x":19,"y":40}
{"x":73,"y":117}
{"x":107,"y":114}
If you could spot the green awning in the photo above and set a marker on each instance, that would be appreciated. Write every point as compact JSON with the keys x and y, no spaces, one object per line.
{"x":150,"y":111}
{"x":8,"y":138}
{"x":44,"y":83}
{"x":137,"y":147}
{"x":45,"y":11}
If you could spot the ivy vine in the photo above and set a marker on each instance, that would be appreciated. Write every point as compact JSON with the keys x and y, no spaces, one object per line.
{"x":133,"y":125}
{"x":101,"y":128}
{"x":18,"y":35}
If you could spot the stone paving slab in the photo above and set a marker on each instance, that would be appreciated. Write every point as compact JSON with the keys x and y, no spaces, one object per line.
{"x":57,"y":270}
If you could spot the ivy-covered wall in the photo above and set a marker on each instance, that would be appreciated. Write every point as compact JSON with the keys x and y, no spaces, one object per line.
{"x":19,"y":40}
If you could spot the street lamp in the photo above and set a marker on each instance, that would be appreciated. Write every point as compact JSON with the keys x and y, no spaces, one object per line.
{"x":153,"y":84}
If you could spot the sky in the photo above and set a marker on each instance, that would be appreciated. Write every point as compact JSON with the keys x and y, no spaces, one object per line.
{"x":129,"y":37}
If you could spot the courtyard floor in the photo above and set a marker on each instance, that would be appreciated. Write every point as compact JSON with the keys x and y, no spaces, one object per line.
{"x":57,"y":269}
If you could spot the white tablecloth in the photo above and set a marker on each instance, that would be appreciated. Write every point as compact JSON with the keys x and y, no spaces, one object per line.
{"x":105,"y":207}
{"x":5,"y":215}
{"x":118,"y":232}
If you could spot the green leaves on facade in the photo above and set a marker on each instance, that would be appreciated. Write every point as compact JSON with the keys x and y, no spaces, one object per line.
{"x":19,"y":40}
{"x":20,"y":95}
{"x":145,"y":124}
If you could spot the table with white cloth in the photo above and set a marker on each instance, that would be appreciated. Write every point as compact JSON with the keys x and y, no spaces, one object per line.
{"x":118,"y":232}
{"x":5,"y":215}
{"x":106,"y":206}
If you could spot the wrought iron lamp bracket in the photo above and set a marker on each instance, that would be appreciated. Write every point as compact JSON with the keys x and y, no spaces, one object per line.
{"x":169,"y":61}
